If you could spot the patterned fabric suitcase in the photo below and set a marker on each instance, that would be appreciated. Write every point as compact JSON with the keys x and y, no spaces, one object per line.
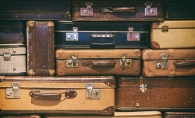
{"x":102,"y":34}
{"x":168,"y":62}
{"x":74,"y":95}
{"x":98,"y":62}
{"x":179,"y":115}
{"x":20,"y":116}
{"x":173,"y":34}
{"x":164,"y":94}
{"x":114,"y":10}
{"x":40,"y":48}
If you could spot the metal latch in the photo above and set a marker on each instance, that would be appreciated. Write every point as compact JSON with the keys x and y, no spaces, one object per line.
{"x":143,"y":88}
{"x":165,"y":28}
{"x":87,"y":11}
{"x":7,"y":56}
{"x":13,"y":92}
{"x":150,"y":11}
{"x":72,"y":36}
{"x":92,"y":93}
{"x":162,"y":64}
{"x":125,"y":62}
{"x":71,"y":63}
{"x":132,"y":36}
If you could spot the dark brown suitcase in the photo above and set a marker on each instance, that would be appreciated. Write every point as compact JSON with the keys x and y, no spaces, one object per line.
{"x":162,"y":94}
{"x":179,"y":115}
{"x":20,"y":116}
{"x":40,"y":48}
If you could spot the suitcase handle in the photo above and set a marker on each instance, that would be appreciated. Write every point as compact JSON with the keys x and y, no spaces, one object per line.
{"x":50,"y":95}
{"x":99,"y":63}
{"x":101,"y":37}
{"x":184,"y":63}
{"x":117,"y":9}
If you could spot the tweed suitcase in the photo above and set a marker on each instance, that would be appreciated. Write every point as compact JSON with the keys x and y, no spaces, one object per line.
{"x":40,"y":48}
{"x":163,"y":94}
{"x":20,"y":116}
{"x":179,"y":115}
{"x":45,"y":94}
{"x":98,"y":62}
{"x":173,"y":34}
{"x":114,"y":10}
{"x":102,"y":34}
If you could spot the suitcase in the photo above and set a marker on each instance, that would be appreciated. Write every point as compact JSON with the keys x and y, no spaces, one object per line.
{"x":35,"y":10}
{"x":21,"y":116}
{"x":114,"y":10}
{"x":179,"y":115}
{"x":98,"y":62}
{"x":163,"y":94}
{"x":12,"y":60}
{"x":102,"y":34}
{"x":173,"y":34}
{"x":183,"y":9}
{"x":137,"y":114}
{"x":40,"y":48}
{"x":11,"y":32}
{"x":73,"y":95}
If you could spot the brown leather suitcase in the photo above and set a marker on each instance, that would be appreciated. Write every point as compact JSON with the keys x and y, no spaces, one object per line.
{"x":40,"y":48}
{"x":20,"y":116}
{"x":98,"y":62}
{"x":168,"y":62}
{"x":179,"y":115}
{"x":163,"y":94}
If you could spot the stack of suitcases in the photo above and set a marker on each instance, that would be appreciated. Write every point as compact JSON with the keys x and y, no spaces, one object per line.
{"x":97,"y":58}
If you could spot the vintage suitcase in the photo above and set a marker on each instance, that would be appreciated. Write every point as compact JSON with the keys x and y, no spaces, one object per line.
{"x":12,"y":60}
{"x":135,"y":114}
{"x":102,"y":34}
{"x":179,"y":115}
{"x":20,"y":116}
{"x":11,"y":32}
{"x":168,"y":62}
{"x":164,"y":94}
{"x":180,"y":9}
{"x":40,"y":48}
{"x":173,"y":34}
{"x":115,"y":10}
{"x":35,"y":10}
{"x":98,"y":62}
{"x":93,"y":95}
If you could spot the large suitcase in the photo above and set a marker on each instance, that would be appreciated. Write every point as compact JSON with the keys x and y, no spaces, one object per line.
{"x":20,"y":116}
{"x":93,"y":95}
{"x":35,"y":10}
{"x":173,"y":34}
{"x":168,"y":62}
{"x":12,"y":60}
{"x":164,"y":94}
{"x":102,"y":34}
{"x":98,"y":62}
{"x":40,"y":48}
{"x":114,"y":10}
{"x":11,"y":32}
{"x":179,"y":115}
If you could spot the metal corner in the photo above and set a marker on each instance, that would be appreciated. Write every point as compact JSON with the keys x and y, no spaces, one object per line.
{"x":51,"y":72}
{"x":50,"y":24}
{"x":30,"y":72}
{"x":30,"y":23}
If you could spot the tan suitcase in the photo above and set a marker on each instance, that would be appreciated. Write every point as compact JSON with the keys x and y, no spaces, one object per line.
{"x":20,"y":116}
{"x":98,"y":62}
{"x":173,"y":34}
{"x":168,"y":62}
{"x":75,"y":94}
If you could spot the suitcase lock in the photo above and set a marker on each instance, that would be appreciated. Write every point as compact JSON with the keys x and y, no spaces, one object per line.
{"x":143,"y":88}
{"x":162,"y":64}
{"x":7,"y":56}
{"x":87,"y":11}
{"x":132,"y":36}
{"x":72,"y":63}
{"x":125,"y":62}
{"x":92,"y":93}
{"x":13,"y":92}
{"x":72,"y":36}
{"x":150,"y":11}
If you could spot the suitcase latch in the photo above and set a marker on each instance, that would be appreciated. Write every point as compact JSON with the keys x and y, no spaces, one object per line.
{"x":13,"y":92}
{"x":132,"y":36}
{"x":72,"y":36}
{"x":143,"y":88}
{"x":165,"y":28}
{"x":7,"y":56}
{"x":87,"y":11}
{"x":150,"y":11}
{"x":92,"y":93}
{"x":125,"y":62}
{"x":162,"y":64}
{"x":72,"y":63}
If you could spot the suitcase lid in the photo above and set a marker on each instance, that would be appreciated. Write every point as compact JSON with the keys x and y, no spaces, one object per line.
{"x":138,"y":113}
{"x":12,"y":50}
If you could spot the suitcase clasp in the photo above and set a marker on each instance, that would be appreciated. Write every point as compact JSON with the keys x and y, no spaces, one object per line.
{"x":7,"y":56}
{"x":132,"y":36}
{"x":162,"y":64}
{"x":92,"y":93}
{"x":87,"y":11}
{"x":13,"y":92}
{"x":125,"y":62}
{"x":150,"y":11}
{"x":143,"y":88}
{"x":72,"y":36}
{"x":72,"y":63}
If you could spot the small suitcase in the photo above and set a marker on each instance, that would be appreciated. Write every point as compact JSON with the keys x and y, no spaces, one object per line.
{"x":173,"y":34}
{"x":168,"y":62}
{"x":73,"y":95}
{"x":20,"y":116}
{"x":102,"y":34}
{"x":179,"y":115}
{"x":11,"y":32}
{"x":114,"y":10}
{"x":12,"y":60}
{"x":98,"y":62}
{"x":163,"y":94}
{"x":40,"y":48}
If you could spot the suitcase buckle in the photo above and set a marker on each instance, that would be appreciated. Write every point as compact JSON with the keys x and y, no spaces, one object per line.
{"x":132,"y":36}
{"x":72,"y":63}
{"x":150,"y":11}
{"x":92,"y":93}
{"x":7,"y":56}
{"x":125,"y":62}
{"x":13,"y":92}
{"x":87,"y":11}
{"x":162,"y":64}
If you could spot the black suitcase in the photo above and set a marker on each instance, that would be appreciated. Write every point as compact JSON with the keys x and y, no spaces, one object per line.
{"x":102,"y":34}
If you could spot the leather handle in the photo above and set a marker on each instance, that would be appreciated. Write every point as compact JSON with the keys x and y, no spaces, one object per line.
{"x":184,"y":63}
{"x":117,"y":9}
{"x":102,"y":36}
{"x":99,"y":63}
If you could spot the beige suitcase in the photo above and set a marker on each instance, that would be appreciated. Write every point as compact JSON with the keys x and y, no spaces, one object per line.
{"x":20,"y":116}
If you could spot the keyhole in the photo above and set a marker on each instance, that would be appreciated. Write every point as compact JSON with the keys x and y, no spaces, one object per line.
{"x":158,"y":65}
{"x":85,"y":11}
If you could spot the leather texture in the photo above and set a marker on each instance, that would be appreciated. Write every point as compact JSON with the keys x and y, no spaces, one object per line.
{"x":179,"y":114}
{"x":21,"y":116}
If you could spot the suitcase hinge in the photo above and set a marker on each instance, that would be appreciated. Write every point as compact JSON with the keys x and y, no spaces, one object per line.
{"x":87,"y":11}
{"x":162,"y":64}
{"x":125,"y":62}
{"x":13,"y":92}
{"x":132,"y":36}
{"x":72,"y":36}
{"x":150,"y":11}
{"x":72,"y":63}
{"x":92,"y":93}
{"x":143,"y":88}
{"x":7,"y":56}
